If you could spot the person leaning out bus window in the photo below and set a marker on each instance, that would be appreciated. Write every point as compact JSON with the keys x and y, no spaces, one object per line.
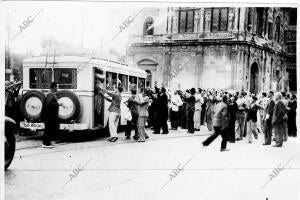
{"x":114,"y":112}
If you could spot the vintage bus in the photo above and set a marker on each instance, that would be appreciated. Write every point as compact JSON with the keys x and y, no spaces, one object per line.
{"x":78,"y":78}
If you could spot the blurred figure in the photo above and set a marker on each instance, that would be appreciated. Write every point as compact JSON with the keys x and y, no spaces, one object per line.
{"x":252,"y":119}
{"x":191,"y":110}
{"x":232,"y":110}
{"x":262,"y":103}
{"x":155,"y":107}
{"x":279,"y":115}
{"x":292,"y":107}
{"x":197,"y":114}
{"x":210,"y":112}
{"x":203,"y":106}
{"x":143,"y":104}
{"x":220,"y":123}
{"x":285,"y":121}
{"x":133,"y":107}
{"x":268,"y":119}
{"x":240,"y":117}
{"x":163,"y":111}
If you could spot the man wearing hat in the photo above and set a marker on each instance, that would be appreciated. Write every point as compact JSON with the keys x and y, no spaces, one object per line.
{"x":191,"y":110}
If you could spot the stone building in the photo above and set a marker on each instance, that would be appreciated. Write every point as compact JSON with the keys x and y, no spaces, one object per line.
{"x":250,"y":48}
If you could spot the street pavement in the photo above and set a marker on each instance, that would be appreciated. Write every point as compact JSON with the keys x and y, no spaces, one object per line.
{"x":173,"y":166}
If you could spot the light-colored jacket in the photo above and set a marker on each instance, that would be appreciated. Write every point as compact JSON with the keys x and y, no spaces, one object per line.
{"x":176,"y":102}
{"x":220,"y":118}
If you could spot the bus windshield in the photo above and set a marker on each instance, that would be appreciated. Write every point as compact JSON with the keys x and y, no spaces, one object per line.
{"x":41,"y":78}
{"x":66,"y":78}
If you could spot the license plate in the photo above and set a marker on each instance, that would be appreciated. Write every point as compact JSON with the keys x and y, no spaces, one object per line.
{"x":30,"y":125}
{"x":69,"y":127}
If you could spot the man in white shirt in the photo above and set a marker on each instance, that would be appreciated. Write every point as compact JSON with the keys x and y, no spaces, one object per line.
{"x":175,"y":103}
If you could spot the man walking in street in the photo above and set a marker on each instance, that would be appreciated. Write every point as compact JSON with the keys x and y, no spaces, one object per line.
{"x":220,"y":123}
{"x":268,"y":119}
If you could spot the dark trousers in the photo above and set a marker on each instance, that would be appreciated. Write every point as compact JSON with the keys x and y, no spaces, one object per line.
{"x":279,"y":133}
{"x":268,"y":133}
{"x":231,"y":130}
{"x":132,"y":125}
{"x":50,"y":133}
{"x":156,"y":123}
{"x":217,"y":132}
{"x":174,"y":119}
{"x":164,"y":124}
{"x":203,"y":112}
{"x":190,"y":120}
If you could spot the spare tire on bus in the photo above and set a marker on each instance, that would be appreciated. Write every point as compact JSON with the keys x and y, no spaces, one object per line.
{"x":32,"y":104}
{"x":71,"y":108}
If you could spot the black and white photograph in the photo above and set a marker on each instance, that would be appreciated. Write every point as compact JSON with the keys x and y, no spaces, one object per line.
{"x":149,"y":100}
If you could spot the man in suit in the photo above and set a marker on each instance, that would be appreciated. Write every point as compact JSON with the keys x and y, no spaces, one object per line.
{"x":163,"y":111}
{"x":134,"y":113}
{"x":268,"y":119}
{"x":50,"y":115}
{"x":191,"y":110}
{"x":220,"y":123}
{"x":278,"y":119}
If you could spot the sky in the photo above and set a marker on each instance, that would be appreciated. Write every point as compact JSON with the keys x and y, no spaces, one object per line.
{"x":88,"y":25}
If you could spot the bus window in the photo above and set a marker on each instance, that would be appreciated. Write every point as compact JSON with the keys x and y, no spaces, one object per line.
{"x":66,"y":78}
{"x":132,"y":83}
{"x":123,"y":82}
{"x":141,"y":83}
{"x":40,"y":78}
{"x":111,"y":81}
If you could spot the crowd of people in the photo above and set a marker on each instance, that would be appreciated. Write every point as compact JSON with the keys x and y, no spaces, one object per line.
{"x":233,"y":115}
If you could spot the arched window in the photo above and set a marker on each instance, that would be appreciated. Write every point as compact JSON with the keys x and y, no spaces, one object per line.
{"x":148,"y":26}
{"x":277,"y":31}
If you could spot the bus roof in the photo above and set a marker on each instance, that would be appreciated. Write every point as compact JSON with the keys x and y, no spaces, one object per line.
{"x":104,"y":63}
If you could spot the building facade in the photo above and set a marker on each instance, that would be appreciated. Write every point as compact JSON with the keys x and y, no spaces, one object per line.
{"x":229,"y":47}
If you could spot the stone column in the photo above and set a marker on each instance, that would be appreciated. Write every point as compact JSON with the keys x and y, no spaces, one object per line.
{"x":199,"y":67}
{"x":242,"y":20}
{"x":175,"y":20}
{"x":201,"y":24}
{"x":236,"y":19}
{"x":233,"y":59}
{"x":231,"y":19}
{"x":166,"y":67}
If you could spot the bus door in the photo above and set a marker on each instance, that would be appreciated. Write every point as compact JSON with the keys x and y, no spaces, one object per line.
{"x":99,"y":82}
